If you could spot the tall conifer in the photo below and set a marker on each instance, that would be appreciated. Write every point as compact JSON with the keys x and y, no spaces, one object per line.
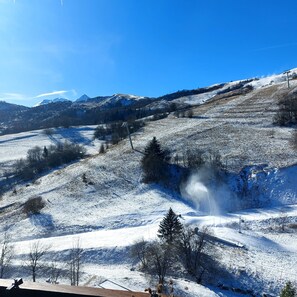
{"x":153,"y":162}
{"x":170,"y":227}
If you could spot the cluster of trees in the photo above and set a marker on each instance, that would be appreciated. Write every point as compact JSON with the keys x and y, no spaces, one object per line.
{"x":178,"y":248}
{"x":287,"y":113}
{"x":183,"y":93}
{"x":156,"y":162}
{"x":195,"y":158}
{"x":34,"y":261}
{"x":240,"y":87}
{"x":40,"y":159}
{"x":184,"y":113}
{"x":114,"y":132}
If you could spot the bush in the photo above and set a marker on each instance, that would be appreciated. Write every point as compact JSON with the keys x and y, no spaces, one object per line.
{"x":190,"y":113}
{"x":49,"y":131}
{"x":34,"y":205}
{"x":159,"y":116}
{"x":287,"y":113}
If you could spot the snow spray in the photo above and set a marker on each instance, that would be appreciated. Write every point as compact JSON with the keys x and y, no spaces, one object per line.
{"x":198,"y":194}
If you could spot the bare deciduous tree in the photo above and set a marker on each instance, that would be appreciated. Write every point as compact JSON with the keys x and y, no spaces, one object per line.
{"x":160,"y":258}
{"x":37,"y":252}
{"x":155,"y":257}
{"x":139,"y":251}
{"x":75,"y":263}
{"x":7,"y":252}
{"x":191,"y":251}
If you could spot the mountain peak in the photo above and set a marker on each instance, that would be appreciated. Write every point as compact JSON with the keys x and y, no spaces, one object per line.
{"x":83,"y":98}
{"x":48,"y":101}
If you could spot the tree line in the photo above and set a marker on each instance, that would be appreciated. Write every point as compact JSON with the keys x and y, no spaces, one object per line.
{"x":157,"y":163}
{"x":40,"y":159}
{"x":114,"y":132}
{"x":287,"y":112}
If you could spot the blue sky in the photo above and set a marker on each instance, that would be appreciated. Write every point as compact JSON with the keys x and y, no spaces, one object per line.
{"x":65,"y":48}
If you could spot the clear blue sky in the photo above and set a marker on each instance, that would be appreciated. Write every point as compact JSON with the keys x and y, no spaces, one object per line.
{"x":65,"y":48}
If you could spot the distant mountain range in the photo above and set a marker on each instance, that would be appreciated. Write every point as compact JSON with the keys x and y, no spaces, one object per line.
{"x":48,"y":101}
{"x":63,"y":112}
{"x":82,"y":98}
{"x":119,"y":107}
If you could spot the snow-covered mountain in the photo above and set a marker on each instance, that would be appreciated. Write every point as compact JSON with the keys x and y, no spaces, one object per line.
{"x":84,"y":110}
{"x":82,"y":98}
{"x":102,"y":200}
{"x":120,"y":100}
{"x":116,"y":100}
{"x":48,"y":101}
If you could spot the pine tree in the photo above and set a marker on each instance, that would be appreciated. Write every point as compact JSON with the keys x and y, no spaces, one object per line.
{"x":288,"y":290}
{"x":45,"y":152}
{"x":101,"y":150}
{"x":153,"y":162}
{"x":170,"y":227}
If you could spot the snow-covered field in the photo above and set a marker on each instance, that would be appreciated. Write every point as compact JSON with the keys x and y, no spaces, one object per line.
{"x":114,"y":208}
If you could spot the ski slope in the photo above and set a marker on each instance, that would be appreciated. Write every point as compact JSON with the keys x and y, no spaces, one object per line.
{"x":114,"y":208}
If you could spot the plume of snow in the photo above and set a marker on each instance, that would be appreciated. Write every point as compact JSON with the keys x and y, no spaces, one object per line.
{"x":198,"y":194}
{"x":207,"y":194}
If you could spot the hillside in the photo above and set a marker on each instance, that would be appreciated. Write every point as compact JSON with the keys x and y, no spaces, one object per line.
{"x":114,"y":208}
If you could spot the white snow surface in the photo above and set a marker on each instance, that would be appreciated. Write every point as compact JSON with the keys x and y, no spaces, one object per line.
{"x":114,"y":209}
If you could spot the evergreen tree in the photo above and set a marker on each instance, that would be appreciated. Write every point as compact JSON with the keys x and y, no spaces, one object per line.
{"x":288,"y":290}
{"x":101,"y":150}
{"x":153,"y":162}
{"x":170,"y":227}
{"x":45,"y":152}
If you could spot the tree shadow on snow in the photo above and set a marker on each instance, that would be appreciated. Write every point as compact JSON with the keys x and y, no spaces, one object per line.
{"x":75,"y":135}
{"x":43,"y":220}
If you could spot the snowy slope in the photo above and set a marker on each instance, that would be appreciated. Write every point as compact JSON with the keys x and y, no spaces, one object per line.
{"x":20,"y":143}
{"x":256,"y":83}
{"x":115,"y":208}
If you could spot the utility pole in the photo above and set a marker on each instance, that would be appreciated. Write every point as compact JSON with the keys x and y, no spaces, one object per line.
{"x":130,"y":139}
{"x":288,"y":80}
{"x":129,"y":135}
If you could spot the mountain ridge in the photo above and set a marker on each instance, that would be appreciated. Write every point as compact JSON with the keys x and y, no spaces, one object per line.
{"x":121,"y":107}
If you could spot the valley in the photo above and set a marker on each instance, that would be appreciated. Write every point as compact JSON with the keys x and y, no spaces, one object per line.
{"x":102,"y":201}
